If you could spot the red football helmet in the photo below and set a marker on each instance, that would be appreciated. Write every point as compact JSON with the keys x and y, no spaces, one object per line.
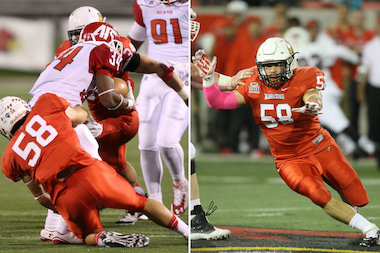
{"x":103,"y":32}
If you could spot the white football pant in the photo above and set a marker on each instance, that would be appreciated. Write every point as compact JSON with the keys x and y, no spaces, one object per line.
{"x":163,"y":119}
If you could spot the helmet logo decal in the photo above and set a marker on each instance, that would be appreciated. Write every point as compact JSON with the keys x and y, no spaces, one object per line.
{"x":104,"y":31}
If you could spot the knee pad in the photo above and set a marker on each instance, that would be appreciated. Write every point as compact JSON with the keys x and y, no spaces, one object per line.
{"x":316,"y":191}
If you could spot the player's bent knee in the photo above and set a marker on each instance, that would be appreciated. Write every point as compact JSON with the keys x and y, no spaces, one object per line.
{"x":316,"y":191}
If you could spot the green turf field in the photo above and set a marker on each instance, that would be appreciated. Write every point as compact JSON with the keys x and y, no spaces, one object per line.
{"x":22,"y":218}
{"x":251,"y":194}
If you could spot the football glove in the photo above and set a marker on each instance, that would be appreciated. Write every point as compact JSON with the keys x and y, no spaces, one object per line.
{"x":311,"y":108}
{"x":95,"y":128}
{"x":202,"y":62}
{"x":181,"y":70}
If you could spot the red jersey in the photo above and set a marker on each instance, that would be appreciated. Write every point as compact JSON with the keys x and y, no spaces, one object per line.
{"x":98,"y":111}
{"x":44,"y":145}
{"x":289,"y":134}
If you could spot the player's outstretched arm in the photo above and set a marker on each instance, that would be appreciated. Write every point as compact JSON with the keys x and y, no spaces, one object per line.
{"x":149,"y":66}
{"x":215,"y":97}
{"x":38,"y":192}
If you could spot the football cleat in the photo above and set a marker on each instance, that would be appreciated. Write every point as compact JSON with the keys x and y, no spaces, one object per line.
{"x":67,"y":238}
{"x":180,"y":198}
{"x":46,"y":235}
{"x":129,"y":218}
{"x":113,"y":239}
{"x":201,"y":229}
{"x":370,"y":241}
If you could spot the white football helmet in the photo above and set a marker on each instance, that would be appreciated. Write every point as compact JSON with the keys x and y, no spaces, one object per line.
{"x":79,"y":18}
{"x":194,"y":25}
{"x":12,"y":110}
{"x":275,"y":50}
{"x":298,"y":37}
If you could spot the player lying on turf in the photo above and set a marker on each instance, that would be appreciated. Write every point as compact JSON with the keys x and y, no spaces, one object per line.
{"x":44,"y":149}
{"x":285,"y":103}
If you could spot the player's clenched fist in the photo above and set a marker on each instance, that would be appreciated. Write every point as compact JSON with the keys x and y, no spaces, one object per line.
{"x":203,"y":64}
{"x":311,"y":108}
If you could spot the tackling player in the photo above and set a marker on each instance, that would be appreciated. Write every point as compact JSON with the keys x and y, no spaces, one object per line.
{"x":285,"y":103}
{"x":44,"y":148}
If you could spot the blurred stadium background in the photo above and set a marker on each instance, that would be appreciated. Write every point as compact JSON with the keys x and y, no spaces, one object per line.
{"x":30,"y":32}
{"x":240,"y":177}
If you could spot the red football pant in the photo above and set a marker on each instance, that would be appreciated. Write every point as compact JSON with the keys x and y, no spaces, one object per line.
{"x":117,"y":132}
{"x":306,"y":176}
{"x":91,"y":187}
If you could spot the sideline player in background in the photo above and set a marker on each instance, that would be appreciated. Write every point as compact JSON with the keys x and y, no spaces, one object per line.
{"x":163,"y":116}
{"x":285,"y":103}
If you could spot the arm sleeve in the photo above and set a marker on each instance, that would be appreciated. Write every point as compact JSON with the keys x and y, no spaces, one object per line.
{"x":220,"y":100}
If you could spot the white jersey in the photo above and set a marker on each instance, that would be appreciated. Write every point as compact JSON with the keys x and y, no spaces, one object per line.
{"x":70,"y":74}
{"x":322,"y":54}
{"x":165,"y":26}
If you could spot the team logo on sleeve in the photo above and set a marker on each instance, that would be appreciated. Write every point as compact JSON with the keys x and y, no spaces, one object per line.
{"x":254,"y":88}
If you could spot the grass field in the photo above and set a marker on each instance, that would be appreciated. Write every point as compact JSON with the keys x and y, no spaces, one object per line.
{"x":22,"y":218}
{"x":250,"y":194}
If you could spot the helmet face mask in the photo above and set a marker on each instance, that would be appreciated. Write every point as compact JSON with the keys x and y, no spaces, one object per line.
{"x":275,"y":51}
{"x":194,"y":25}
{"x":12,"y":110}
{"x":79,"y":18}
{"x":102,"y":32}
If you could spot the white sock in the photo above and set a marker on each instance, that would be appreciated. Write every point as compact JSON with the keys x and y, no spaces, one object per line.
{"x":62,"y":227}
{"x":174,"y":160}
{"x":98,"y":240}
{"x":362,"y":224}
{"x":51,"y":221}
{"x":179,"y":226}
{"x":194,"y":202}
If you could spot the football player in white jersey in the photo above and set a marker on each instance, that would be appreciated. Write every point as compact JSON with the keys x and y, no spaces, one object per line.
{"x":163,"y":116}
{"x":319,"y":50}
{"x":70,"y":76}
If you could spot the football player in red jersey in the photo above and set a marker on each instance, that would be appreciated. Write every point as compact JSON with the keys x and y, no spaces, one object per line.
{"x":117,"y":127}
{"x":285,"y":103}
{"x":113,"y":128}
{"x":44,"y":148}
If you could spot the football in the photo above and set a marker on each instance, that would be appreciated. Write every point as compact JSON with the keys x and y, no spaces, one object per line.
{"x":120,"y":86}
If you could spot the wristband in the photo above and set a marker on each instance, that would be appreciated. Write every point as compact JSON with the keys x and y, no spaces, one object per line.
{"x":43,"y":194}
{"x":28,"y":183}
{"x":208,"y":80}
{"x":105,"y":92}
{"x":183,"y":93}
{"x":225,"y":81}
